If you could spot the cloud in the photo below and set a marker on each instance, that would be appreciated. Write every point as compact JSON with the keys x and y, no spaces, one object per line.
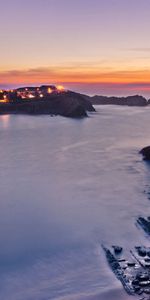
{"x":83,"y":73}
{"x":83,"y":77}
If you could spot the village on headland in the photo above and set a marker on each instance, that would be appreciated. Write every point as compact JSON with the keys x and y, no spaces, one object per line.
{"x":34,"y":92}
{"x":30,"y":92}
{"x":46,"y":99}
{"x":56,"y":100}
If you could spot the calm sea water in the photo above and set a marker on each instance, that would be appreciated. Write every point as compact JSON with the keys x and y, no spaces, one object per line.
{"x":66,"y":186}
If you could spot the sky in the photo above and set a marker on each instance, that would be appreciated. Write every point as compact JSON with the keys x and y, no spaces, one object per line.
{"x":91,"y":46}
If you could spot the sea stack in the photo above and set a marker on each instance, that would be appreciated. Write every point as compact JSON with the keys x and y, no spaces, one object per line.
{"x":146,"y":153}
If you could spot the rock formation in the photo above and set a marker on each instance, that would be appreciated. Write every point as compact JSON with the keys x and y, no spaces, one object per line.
{"x":135,"y":100}
{"x":146,"y":152}
{"x":132,"y":270}
{"x":67,"y":104}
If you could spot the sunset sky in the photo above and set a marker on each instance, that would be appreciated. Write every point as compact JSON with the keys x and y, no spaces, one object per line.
{"x":91,"y":46}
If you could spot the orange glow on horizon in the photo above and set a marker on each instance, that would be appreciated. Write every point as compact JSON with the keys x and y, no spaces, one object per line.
{"x":80,"y":76}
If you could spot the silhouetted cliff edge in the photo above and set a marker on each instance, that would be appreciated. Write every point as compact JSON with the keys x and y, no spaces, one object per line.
{"x":135,"y":100}
{"x":68,"y":104}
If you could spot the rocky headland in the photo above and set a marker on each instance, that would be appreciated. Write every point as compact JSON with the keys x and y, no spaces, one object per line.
{"x":135,"y":100}
{"x":145,"y":152}
{"x":67,"y":104}
{"x":49,"y":99}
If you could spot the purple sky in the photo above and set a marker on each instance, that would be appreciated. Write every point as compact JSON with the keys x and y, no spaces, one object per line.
{"x":85,"y":41}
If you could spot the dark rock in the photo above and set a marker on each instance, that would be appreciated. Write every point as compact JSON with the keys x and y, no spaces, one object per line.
{"x":85,"y":101}
{"x":117,"y":249}
{"x":118,"y":271}
{"x":135,"y":282}
{"x":147,"y":260}
{"x":141,"y":251}
{"x":131,"y":264}
{"x":135,"y":100}
{"x":68,"y":104}
{"x":137,"y":288}
{"x":147,"y":265}
{"x":145,"y":224}
{"x":144,"y":283}
{"x":121,"y":260}
{"x":140,"y":292}
{"x":146,"y":152}
{"x":142,"y":277}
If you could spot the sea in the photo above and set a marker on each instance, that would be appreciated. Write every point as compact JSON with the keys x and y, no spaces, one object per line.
{"x":68,"y":186}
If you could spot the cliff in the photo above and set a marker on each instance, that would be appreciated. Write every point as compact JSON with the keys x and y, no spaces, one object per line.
{"x":68,"y":104}
{"x":135,"y":100}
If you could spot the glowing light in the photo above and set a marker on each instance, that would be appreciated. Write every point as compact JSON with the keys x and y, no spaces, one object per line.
{"x":5,"y":120}
{"x":41,"y":96}
{"x":4,"y":99}
{"x":49,"y":90}
{"x":60,"y":88}
{"x":31,"y":96}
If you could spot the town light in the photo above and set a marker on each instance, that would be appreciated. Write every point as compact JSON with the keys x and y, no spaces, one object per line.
{"x":4,"y":98}
{"x":49,"y":90}
{"x":60,"y":88}
{"x":31,"y":96}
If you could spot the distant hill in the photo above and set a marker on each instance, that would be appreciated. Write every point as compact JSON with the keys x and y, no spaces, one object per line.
{"x":135,"y":100}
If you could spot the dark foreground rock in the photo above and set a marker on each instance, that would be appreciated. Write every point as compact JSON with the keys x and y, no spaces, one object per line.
{"x":146,"y":152}
{"x":67,"y":104}
{"x":145,"y":224}
{"x":135,"y":100}
{"x":132,"y":270}
{"x":84,"y":100}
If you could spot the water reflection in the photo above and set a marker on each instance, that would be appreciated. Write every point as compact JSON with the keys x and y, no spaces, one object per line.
{"x":65,"y":188}
{"x":4,"y":121}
